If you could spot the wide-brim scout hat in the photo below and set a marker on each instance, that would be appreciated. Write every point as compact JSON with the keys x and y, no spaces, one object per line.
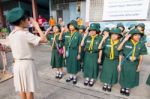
{"x":105,"y":29}
{"x":141,"y":25}
{"x":135,"y":31}
{"x":74,"y":23}
{"x":15,"y":14}
{"x":132,"y":26}
{"x":82,"y":27}
{"x":95,"y":27}
{"x":116,"y":31}
{"x":58,"y":26}
{"x":99,"y":26}
{"x":120,"y":25}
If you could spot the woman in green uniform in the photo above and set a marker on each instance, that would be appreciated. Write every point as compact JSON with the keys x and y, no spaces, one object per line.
{"x":57,"y":51}
{"x":109,"y":74}
{"x":132,"y":51}
{"x":91,"y":57}
{"x":72,"y":40}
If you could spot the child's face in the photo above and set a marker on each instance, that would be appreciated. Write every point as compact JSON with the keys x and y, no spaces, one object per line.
{"x":81,"y":30}
{"x":136,"y":37}
{"x":114,"y":36}
{"x":71,"y":28}
{"x":55,"y":29}
{"x":92,"y":32}
{"x":105,"y":32}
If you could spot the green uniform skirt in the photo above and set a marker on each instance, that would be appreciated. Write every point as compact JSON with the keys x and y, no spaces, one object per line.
{"x":72,"y":64}
{"x":109,"y":72}
{"x":129,"y":78}
{"x":148,"y":80}
{"x":91,"y":69}
{"x":56,"y":59}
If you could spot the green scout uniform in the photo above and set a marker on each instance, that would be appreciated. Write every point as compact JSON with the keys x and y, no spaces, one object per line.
{"x":72,"y":43}
{"x":91,"y":69}
{"x":56,"y":58}
{"x":129,"y":77}
{"x":109,"y":72}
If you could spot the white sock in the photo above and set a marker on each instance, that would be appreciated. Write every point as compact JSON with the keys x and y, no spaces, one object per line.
{"x":87,"y":79}
{"x":70,"y":76}
{"x":105,"y":84}
{"x":123,"y":89}
{"x":74,"y":77}
{"x":60,"y":73}
{"x":109,"y":86}
{"x":92,"y":80}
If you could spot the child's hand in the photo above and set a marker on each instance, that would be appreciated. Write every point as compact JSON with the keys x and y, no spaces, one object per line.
{"x":99,"y":60}
{"x":127,"y":37}
{"x":78,"y":57}
{"x":106,"y":35}
{"x":138,"y":69}
{"x":119,"y":68}
{"x":34,"y":23}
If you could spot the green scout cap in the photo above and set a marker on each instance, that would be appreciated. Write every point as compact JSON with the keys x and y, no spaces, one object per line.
{"x":74,"y":23}
{"x":105,"y":29}
{"x":14,"y":14}
{"x":131,"y":26}
{"x":58,"y":26}
{"x":94,"y":26}
{"x":82,"y":27}
{"x":116,"y":31}
{"x":141,"y":25}
{"x":135,"y":31}
{"x":120,"y":25}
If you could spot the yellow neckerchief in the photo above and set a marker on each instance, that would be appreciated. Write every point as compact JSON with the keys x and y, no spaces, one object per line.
{"x":56,"y":35}
{"x":134,"y":48}
{"x":112,"y":52}
{"x":72,"y":33}
{"x":54,"y":39}
{"x":92,"y":42}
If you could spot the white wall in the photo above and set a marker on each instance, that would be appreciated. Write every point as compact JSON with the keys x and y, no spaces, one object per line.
{"x":83,"y":10}
{"x":66,"y":17}
{"x":73,"y":11}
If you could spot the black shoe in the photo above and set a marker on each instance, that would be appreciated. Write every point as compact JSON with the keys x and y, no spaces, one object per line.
{"x":69,"y":79}
{"x":60,"y":76}
{"x":127,"y":93}
{"x":109,"y":89}
{"x":74,"y":81}
{"x":122,"y":91}
{"x":57,"y":76}
{"x":86,"y":82}
{"x":91,"y":83}
{"x":104,"y":88}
